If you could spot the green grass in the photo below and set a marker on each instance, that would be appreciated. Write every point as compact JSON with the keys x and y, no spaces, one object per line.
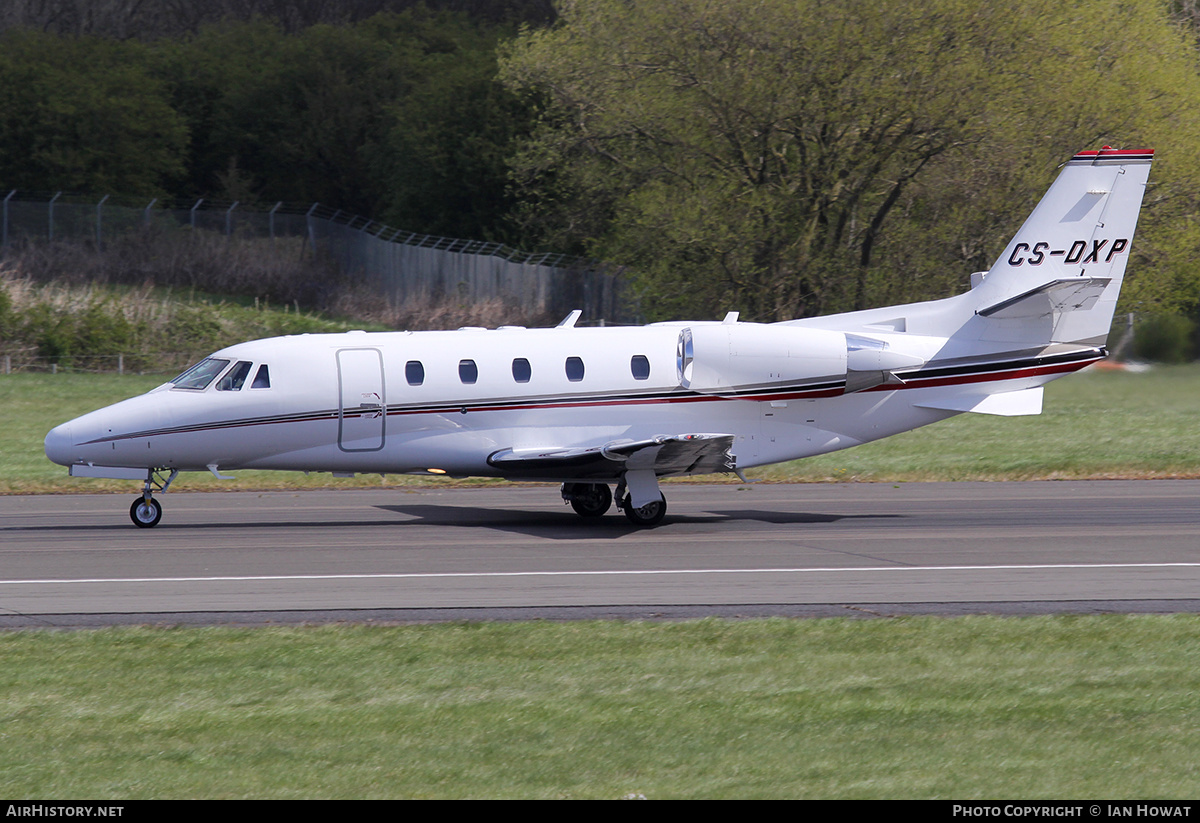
{"x":1099,"y":424}
{"x":1048,"y":707}
{"x":1094,"y":425}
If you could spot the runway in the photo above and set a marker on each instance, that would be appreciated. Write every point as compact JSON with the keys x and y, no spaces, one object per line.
{"x":512,"y":551}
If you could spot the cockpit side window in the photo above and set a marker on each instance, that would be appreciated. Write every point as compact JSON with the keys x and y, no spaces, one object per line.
{"x":262,"y":378}
{"x":200,"y":375}
{"x":236,"y":378}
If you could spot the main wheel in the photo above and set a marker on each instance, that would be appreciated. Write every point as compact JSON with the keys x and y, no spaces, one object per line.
{"x":145,"y":513}
{"x":589,"y":499}
{"x":648,"y":515}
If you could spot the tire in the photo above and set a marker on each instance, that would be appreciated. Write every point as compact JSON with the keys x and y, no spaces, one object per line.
{"x":589,"y":499}
{"x":648,"y":515}
{"x":144,"y":513}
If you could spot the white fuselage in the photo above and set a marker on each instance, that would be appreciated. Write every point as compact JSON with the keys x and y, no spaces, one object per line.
{"x":356,"y":402}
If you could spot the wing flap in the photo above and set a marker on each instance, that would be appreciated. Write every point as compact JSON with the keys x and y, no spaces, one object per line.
{"x":665,"y":455}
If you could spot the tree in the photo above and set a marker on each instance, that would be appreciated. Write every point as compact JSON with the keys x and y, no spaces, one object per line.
{"x":397,"y":117}
{"x":782,"y":156}
{"x":84,"y":114}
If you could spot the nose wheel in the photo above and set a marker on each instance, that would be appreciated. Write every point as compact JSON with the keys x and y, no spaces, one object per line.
{"x":145,"y":512}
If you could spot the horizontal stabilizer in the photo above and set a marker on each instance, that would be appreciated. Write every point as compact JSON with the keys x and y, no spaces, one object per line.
{"x":1005,"y":404}
{"x":1068,"y":294}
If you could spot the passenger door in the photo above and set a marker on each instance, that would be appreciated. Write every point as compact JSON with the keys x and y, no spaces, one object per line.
{"x":362,"y":408}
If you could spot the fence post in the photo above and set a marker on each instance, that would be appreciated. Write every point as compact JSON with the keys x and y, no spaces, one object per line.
{"x":308,"y":223}
{"x":99,"y":232}
{"x":50,"y":222}
{"x":229,"y":219}
{"x":272,"y":219}
{"x":146,"y":212}
{"x":4,"y":237}
{"x":120,"y":364}
{"x":198,"y":202}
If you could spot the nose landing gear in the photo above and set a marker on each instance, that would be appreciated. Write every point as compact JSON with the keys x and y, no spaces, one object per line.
{"x":145,"y":512}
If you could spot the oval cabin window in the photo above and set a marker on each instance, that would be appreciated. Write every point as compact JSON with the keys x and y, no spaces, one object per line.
{"x":414,"y":372}
{"x":468,"y":372}
{"x":521,"y":370}
{"x":639,"y":365}
{"x":574,"y":369}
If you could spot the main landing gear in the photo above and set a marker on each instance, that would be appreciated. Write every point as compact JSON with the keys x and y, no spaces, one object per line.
{"x":587,"y":499}
{"x":594,"y":499}
{"x":645,"y":516}
{"x":145,"y":512}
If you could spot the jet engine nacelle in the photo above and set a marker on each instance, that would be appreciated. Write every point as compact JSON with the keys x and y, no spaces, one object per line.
{"x":717,"y":359}
{"x":723,"y":357}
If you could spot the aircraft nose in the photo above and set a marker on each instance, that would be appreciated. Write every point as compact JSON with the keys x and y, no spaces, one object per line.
{"x":60,"y":445}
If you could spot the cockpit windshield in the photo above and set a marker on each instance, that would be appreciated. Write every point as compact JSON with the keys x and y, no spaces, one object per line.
{"x":201,"y":374}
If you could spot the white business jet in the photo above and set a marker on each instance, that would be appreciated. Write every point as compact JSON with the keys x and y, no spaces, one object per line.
{"x":591,"y":407}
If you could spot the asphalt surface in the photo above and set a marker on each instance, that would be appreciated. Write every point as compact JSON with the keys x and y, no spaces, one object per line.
{"x":516,"y":551}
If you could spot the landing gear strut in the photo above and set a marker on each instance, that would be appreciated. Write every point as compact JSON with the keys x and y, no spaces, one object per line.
{"x":146,"y":511}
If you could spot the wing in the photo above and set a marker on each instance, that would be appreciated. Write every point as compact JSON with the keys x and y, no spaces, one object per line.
{"x":665,"y":455}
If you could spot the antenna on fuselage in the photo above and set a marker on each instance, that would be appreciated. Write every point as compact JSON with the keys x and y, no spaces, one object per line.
{"x":569,"y":321}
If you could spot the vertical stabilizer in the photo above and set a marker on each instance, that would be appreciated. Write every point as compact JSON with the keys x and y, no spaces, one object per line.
{"x":1061,"y":274}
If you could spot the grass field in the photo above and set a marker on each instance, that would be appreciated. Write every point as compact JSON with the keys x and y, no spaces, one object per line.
{"x":1048,"y":707}
{"x":1100,"y":424}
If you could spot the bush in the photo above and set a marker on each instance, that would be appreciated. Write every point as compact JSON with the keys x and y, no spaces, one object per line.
{"x":1165,"y":338}
{"x":8,"y":320}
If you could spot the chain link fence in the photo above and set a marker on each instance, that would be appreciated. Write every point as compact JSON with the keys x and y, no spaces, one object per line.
{"x":164,"y":364}
{"x":401,"y":266}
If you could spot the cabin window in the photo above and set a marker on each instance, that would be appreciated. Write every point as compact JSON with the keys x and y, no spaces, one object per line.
{"x":236,"y":377}
{"x":201,"y":374}
{"x":414,"y":372}
{"x":639,"y":365}
{"x":262,"y":378}
{"x":574,"y":369}
{"x":522,"y":370}
{"x":468,"y":372}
